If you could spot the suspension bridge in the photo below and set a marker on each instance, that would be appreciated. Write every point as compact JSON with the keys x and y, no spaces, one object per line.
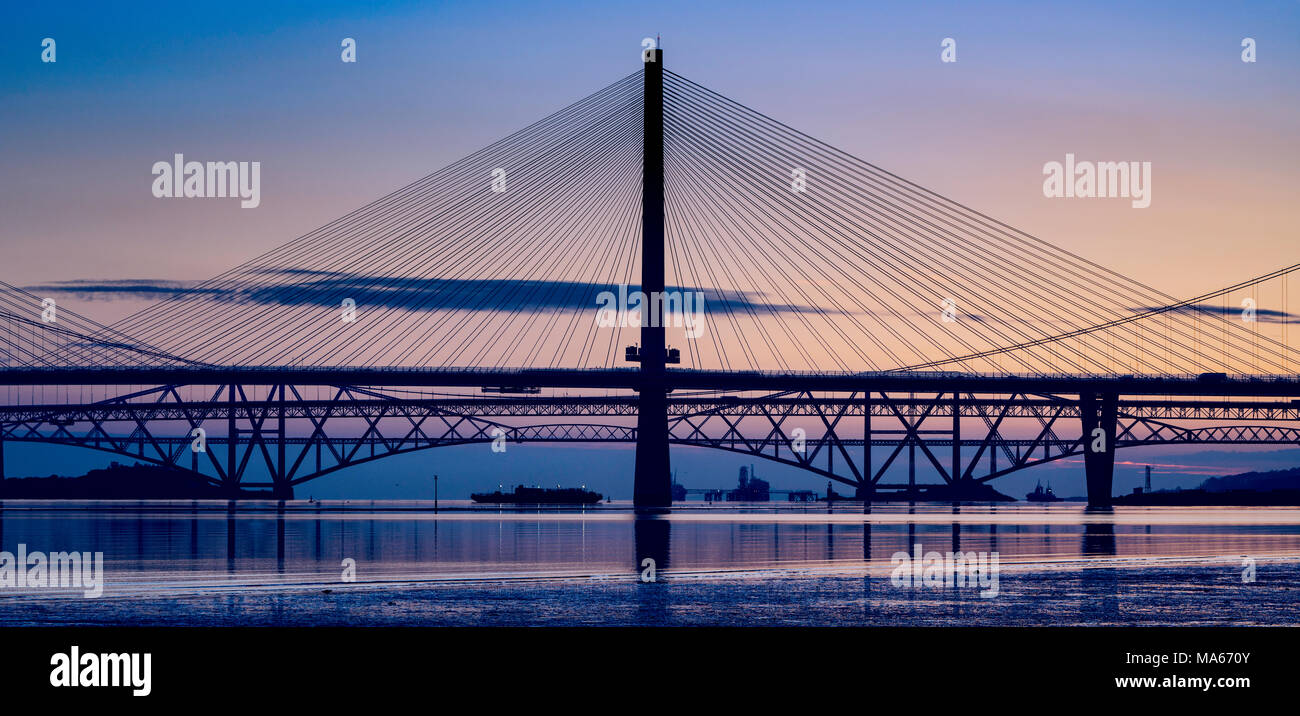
{"x":810,"y":308}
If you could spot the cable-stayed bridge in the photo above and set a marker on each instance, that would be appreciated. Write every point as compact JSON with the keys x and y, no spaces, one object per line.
{"x":808,"y":307}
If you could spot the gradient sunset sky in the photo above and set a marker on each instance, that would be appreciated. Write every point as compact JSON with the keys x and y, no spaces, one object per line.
{"x":1162,"y":82}
{"x":257,"y":81}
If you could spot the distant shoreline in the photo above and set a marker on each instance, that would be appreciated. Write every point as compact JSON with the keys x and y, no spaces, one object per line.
{"x":122,"y":482}
{"x":1206,"y":498}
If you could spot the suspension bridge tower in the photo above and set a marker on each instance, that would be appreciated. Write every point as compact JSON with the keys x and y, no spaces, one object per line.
{"x":652,"y":489}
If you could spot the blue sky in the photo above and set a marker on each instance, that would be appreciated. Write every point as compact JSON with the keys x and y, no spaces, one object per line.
{"x":435,"y":81}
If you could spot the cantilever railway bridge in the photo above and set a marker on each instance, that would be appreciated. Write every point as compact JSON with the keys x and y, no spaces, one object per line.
{"x":852,"y":324}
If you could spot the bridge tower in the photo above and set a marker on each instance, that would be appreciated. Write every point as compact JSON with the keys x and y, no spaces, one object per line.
{"x":1099,"y":415}
{"x":652,"y":488}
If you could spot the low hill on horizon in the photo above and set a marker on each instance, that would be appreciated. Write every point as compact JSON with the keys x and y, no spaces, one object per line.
{"x":120,"y":482}
{"x":1288,"y":479}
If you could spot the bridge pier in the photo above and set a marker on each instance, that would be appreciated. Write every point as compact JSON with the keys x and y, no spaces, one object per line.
{"x":865,"y":491}
{"x":652,"y":484}
{"x":281,"y":489}
{"x":230,"y":484}
{"x":1099,"y":415}
{"x":230,"y":488}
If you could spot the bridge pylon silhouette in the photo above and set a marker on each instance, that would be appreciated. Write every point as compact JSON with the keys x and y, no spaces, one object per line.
{"x":652,"y":490}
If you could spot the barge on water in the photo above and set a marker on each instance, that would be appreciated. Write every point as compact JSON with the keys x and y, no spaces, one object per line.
{"x":539,"y":496}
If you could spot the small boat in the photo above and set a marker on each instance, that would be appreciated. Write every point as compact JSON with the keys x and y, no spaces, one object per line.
{"x":540,"y":496}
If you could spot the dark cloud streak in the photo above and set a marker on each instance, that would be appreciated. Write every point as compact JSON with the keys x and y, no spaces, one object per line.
{"x":1263,"y":315}
{"x":328,"y":289}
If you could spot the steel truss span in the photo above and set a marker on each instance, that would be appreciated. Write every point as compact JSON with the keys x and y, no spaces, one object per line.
{"x":286,"y":435}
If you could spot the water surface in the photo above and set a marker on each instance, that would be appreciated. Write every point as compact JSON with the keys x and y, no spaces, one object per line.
{"x":208,"y":563}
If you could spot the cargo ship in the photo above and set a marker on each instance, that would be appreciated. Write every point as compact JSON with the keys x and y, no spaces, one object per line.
{"x":1041,"y":495}
{"x":539,"y":496}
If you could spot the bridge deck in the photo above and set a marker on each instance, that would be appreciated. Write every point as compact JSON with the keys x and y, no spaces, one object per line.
{"x":628,"y":379}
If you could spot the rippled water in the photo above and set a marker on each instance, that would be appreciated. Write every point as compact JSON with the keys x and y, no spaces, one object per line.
{"x":205,"y":563}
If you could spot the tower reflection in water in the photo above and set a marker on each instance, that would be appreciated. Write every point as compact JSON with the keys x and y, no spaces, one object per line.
{"x":651,"y":537}
{"x":1101,"y":583}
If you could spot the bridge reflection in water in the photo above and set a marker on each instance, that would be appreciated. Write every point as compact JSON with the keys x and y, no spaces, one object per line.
{"x":216,"y":562}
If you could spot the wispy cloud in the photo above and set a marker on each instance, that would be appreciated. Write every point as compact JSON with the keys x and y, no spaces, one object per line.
{"x":328,"y":288}
{"x":1263,"y":315}
{"x":108,"y":289}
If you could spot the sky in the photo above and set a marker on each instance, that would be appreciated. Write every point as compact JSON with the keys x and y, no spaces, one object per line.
{"x":263,"y":81}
